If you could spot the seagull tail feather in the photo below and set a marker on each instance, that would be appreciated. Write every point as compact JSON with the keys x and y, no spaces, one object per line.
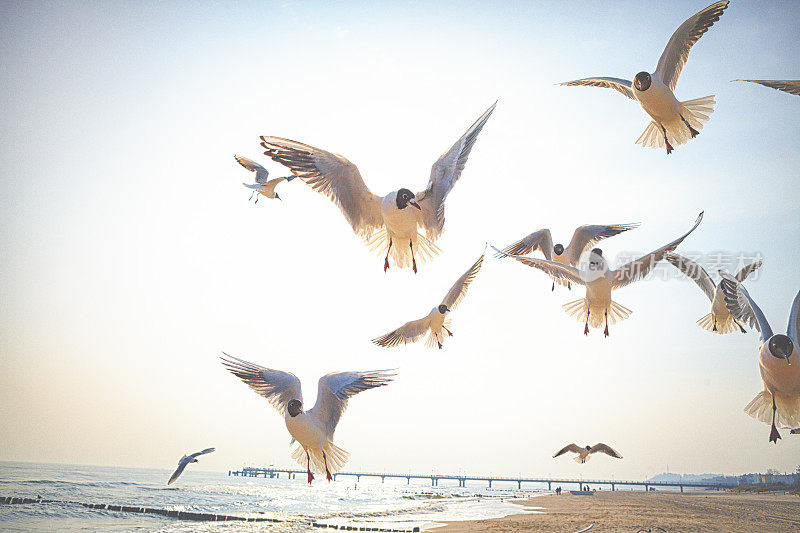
{"x":786,"y":415}
{"x":335,"y":456}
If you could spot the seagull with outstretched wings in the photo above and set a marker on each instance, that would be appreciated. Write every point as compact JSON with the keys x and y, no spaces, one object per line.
{"x":387,"y":223}
{"x":435,"y":325}
{"x":583,"y":238}
{"x":778,"y":359}
{"x":597,"y":308}
{"x":312,"y":429}
{"x":584,"y":453}
{"x":184,"y":461}
{"x":672,"y":123}
{"x":263,"y":185}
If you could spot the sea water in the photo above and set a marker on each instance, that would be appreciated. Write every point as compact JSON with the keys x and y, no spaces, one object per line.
{"x":392,"y":504}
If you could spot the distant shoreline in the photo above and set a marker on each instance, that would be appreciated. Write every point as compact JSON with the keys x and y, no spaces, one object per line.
{"x":631,"y":510}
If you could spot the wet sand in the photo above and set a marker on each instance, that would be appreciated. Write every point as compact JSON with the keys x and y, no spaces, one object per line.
{"x":631,"y":511}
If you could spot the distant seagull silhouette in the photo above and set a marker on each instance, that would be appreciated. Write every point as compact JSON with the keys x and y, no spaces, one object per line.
{"x":185,"y":460}
{"x":778,"y":360}
{"x":386,"y":223}
{"x":719,"y":320}
{"x":672,"y":122}
{"x":314,"y":428}
{"x":787,"y":86}
{"x":584,"y":453}
{"x":263,"y":184}
{"x":597,"y":308}
{"x":434,"y":324}
{"x":583,"y":238}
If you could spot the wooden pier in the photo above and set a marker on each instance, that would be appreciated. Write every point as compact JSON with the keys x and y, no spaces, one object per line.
{"x":291,"y":473}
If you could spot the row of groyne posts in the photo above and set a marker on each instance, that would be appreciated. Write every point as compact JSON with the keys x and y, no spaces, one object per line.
{"x":272,"y":472}
{"x":199,"y":517}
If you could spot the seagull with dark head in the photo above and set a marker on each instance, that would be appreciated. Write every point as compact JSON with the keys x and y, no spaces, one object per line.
{"x":387,"y":223}
{"x":597,"y":308}
{"x":184,"y":461}
{"x":313,"y":429}
{"x":583,"y":238}
{"x":672,"y":123}
{"x":778,"y":359}
{"x":263,"y":185}
{"x":435,"y":325}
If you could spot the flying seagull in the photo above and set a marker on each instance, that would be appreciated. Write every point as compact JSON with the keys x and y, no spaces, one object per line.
{"x":312,"y":429}
{"x":719,"y":320}
{"x":263,"y":184}
{"x":434,"y":324}
{"x":185,"y":460}
{"x":387,"y":223}
{"x":597,"y":308}
{"x":787,"y":86}
{"x":672,"y":122}
{"x":584,"y":453}
{"x":778,"y":360}
{"x":583,"y":238}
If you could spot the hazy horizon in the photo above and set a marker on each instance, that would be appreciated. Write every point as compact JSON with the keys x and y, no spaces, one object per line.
{"x":131,"y":257}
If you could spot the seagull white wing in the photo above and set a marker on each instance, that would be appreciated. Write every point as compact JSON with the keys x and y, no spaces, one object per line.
{"x":336,"y":388}
{"x":677,"y":51}
{"x":178,"y":471}
{"x":793,"y":331}
{"x":261,"y":173}
{"x":405,"y":334}
{"x":459,"y":288}
{"x":197,"y":454}
{"x":444,"y":174}
{"x":618,"y":84}
{"x":636,"y":270}
{"x":586,"y":236}
{"x":742,"y":306}
{"x":557,"y":271}
{"x":746,"y":271}
{"x":787,"y":86}
{"x":603,"y":448}
{"x":275,"y":385}
{"x":540,"y":240}
{"x":333,"y":176}
{"x":569,"y":448}
{"x":694,"y":272}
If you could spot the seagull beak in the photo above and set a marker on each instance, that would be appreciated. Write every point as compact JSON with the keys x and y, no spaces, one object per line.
{"x":446,"y":308}
{"x":415,"y":204}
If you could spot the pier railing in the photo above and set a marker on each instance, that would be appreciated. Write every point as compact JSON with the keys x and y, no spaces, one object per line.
{"x":462,"y":479}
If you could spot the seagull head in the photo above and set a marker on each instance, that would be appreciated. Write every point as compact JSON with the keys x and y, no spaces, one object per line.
{"x":596,"y":260}
{"x":278,"y":197}
{"x":781,"y":346}
{"x":294,"y":407}
{"x":443,"y":309}
{"x":588,"y":448}
{"x":404,"y":198}
{"x":558,"y":249}
{"x":642,"y":81}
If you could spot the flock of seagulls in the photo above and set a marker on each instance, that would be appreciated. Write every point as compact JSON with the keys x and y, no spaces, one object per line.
{"x":402,"y":226}
{"x":597,"y":309}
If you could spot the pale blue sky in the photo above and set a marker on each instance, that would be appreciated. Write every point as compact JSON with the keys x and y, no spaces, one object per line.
{"x":131,"y":258}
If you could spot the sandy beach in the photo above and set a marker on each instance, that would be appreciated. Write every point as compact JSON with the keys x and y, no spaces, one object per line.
{"x":632,"y":511}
